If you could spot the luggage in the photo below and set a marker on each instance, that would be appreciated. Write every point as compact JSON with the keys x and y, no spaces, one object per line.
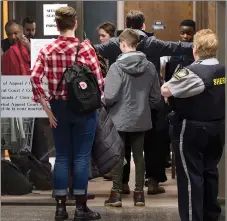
{"x":37,"y":173}
{"x":13,"y":181}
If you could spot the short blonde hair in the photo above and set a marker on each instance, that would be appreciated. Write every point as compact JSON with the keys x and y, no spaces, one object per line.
{"x":65,"y":18}
{"x":206,"y":43}
{"x":130,"y":36}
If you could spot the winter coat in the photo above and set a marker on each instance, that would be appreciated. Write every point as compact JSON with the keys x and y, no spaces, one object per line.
{"x":108,"y":146}
{"x":131,"y":89}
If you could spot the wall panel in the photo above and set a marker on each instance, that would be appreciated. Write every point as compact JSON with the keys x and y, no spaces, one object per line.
{"x":170,"y":12}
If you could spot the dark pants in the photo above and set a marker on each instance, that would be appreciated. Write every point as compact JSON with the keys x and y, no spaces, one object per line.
{"x":42,"y":141}
{"x":127,"y":166}
{"x":156,"y":145}
{"x":73,"y":137}
{"x":136,"y":141}
{"x":197,"y":154}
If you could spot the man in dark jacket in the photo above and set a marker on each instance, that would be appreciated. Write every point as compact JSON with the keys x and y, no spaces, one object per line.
{"x":153,"y":49}
{"x":169,"y":64}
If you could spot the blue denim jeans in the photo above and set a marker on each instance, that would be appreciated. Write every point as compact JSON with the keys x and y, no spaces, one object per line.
{"x":73,"y":138}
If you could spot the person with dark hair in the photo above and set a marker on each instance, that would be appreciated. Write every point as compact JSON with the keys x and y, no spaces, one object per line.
{"x":131,"y":88}
{"x":29,"y":26}
{"x":153,"y":49}
{"x":169,"y":64}
{"x":135,"y":20}
{"x":16,"y":57}
{"x":106,"y":31}
{"x":187,"y":31}
{"x":13,"y":32}
{"x":73,"y":133}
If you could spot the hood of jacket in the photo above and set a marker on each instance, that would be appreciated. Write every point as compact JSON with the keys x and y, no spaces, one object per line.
{"x":133,"y":63}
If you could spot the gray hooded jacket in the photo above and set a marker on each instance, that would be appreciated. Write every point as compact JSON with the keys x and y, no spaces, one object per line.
{"x":131,"y":89}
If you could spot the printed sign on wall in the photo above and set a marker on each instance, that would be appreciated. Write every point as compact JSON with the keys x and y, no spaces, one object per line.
{"x":16,"y":98}
{"x":36,"y":46}
{"x":49,"y":24}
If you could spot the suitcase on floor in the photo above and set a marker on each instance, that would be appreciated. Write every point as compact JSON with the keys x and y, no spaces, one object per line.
{"x":13,"y":181}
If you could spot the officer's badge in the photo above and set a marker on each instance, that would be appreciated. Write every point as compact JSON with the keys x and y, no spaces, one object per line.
{"x":181,"y":73}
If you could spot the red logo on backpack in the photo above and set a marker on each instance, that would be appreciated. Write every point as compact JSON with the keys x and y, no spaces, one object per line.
{"x":83,"y":85}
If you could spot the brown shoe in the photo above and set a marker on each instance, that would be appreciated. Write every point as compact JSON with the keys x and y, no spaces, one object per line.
{"x":125,"y":188}
{"x":154,"y":188}
{"x":114,"y":199}
{"x":138,"y":198}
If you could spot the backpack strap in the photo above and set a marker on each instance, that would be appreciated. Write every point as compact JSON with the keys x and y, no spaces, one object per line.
{"x":62,"y":77}
{"x":77,"y":52}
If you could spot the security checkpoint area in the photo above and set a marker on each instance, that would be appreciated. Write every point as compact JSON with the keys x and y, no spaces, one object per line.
{"x":32,"y":180}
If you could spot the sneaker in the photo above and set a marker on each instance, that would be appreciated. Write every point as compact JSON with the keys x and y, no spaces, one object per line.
{"x":138,"y":198}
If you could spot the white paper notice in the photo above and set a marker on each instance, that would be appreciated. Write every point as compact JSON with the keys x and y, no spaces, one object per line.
{"x":36,"y":46}
{"x":16,"y":98}
{"x":49,"y":24}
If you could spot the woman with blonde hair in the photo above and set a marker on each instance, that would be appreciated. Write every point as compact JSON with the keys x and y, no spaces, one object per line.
{"x":198,"y":122}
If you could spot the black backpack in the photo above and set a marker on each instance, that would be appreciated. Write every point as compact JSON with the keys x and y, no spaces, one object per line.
{"x":13,"y":181}
{"x":33,"y":169}
{"x":84,"y":95}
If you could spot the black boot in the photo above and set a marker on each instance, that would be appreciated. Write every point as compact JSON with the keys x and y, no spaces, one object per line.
{"x":82,"y":212}
{"x":61,"y":213}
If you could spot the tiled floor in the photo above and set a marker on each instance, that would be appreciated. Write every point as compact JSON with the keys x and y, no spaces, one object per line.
{"x":10,"y":213}
{"x":39,"y":206}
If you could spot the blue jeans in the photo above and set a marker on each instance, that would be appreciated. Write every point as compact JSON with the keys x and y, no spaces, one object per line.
{"x":73,"y":138}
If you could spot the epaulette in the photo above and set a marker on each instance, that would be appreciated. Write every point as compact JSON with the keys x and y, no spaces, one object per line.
{"x":181,"y":73}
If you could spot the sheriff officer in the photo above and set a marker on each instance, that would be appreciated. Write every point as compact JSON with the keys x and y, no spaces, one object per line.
{"x":198,"y":92}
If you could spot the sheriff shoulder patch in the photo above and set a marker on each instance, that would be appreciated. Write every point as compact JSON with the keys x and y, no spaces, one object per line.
{"x":181,"y":73}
